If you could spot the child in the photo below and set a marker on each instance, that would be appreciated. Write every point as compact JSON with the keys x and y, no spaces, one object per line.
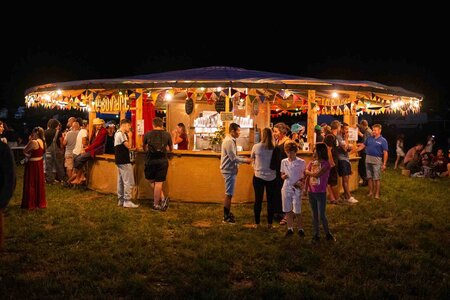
{"x":292,"y":172}
{"x":317,"y":174}
{"x":399,"y":150}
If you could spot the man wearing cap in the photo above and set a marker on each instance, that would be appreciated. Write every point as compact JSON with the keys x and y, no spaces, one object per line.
{"x":96,"y":147}
{"x":319,"y":134}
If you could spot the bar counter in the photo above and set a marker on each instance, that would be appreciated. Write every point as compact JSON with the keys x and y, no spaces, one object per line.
{"x":193,"y":176}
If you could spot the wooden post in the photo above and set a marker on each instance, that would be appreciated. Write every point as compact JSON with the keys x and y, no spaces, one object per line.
{"x":351,"y":118}
{"x":92,"y":115}
{"x":227,"y":109}
{"x":139,"y":117}
{"x":312,"y":117}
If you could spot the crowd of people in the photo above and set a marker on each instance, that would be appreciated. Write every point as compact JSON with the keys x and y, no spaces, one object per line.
{"x":55,"y":155}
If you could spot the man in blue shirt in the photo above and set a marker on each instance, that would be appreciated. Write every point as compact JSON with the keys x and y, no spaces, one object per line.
{"x":376,"y":158}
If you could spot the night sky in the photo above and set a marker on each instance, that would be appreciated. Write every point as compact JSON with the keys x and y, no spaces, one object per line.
{"x":403,"y":55}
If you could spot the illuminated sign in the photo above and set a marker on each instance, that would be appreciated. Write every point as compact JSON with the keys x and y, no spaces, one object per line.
{"x":115,"y":103}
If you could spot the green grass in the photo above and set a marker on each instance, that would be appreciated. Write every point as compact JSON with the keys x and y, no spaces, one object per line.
{"x":84,"y":246}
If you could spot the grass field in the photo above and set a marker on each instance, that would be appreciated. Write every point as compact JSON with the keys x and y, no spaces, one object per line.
{"x":84,"y":246}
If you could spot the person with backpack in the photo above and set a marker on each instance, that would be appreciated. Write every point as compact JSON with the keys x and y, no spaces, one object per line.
{"x":156,"y":143}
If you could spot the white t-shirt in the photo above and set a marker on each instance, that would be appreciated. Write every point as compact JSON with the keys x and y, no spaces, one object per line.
{"x":79,"y":144}
{"x":295,"y":171}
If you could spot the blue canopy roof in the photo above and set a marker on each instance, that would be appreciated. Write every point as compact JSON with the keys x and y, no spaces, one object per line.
{"x":222,"y":76}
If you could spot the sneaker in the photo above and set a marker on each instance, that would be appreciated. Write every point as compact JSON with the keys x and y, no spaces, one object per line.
{"x":315,"y":239}
{"x":290,"y":232}
{"x":129,"y":204}
{"x":352,"y":200}
{"x":301,"y":233}
{"x":120,"y":203}
{"x":165,"y":203}
{"x":229,"y":219}
{"x":330,"y":237}
{"x":156,"y":207}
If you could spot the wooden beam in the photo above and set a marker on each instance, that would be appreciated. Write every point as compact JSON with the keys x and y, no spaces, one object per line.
{"x":312,"y":118}
{"x":139,"y":117}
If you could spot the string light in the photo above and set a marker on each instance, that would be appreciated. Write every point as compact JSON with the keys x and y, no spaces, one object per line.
{"x":334,"y":95}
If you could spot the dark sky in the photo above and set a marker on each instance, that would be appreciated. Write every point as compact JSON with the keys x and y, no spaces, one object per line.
{"x":404,"y":55}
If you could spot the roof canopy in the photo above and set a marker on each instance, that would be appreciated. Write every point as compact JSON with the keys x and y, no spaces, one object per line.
{"x":219,"y":76}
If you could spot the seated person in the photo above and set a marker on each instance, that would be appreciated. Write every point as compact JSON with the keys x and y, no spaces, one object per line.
{"x":427,"y":170}
{"x":440,"y":164}
{"x":412,"y":159}
{"x":96,"y":147}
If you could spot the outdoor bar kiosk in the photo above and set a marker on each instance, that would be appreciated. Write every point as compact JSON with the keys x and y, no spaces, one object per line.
{"x":207,"y":100}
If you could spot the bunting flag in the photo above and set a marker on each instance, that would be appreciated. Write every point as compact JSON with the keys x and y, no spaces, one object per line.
{"x":208,"y":96}
{"x":137,"y":95}
{"x":217,"y":94}
{"x":252,"y":97}
{"x":295,"y":98}
{"x":282,"y":93}
{"x":313,"y":104}
{"x":242,"y":95}
{"x":154,"y":96}
{"x":233,"y":92}
{"x":189,"y":94}
{"x":262,"y":98}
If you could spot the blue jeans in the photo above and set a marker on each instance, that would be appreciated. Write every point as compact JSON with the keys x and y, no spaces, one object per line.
{"x":318,"y":202}
{"x":125,"y":182}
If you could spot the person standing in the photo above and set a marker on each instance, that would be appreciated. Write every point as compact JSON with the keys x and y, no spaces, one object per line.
{"x":317,"y":174}
{"x":400,"y":150}
{"x":280,"y":131}
{"x":70,"y":140}
{"x":292,"y":172}
{"x":54,"y":153}
{"x":7,"y":184}
{"x":157,"y":142}
{"x":344,"y":166}
{"x":33,"y":179}
{"x":125,"y":178}
{"x":2,"y":129}
{"x":264,"y":177}
{"x":229,"y":167}
{"x":364,"y":132}
{"x":376,"y":159}
{"x":180,"y":137}
{"x":109,"y":144}
{"x":332,"y":144}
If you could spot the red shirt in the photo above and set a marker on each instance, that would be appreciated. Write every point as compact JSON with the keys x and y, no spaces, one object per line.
{"x":184,"y":144}
{"x":98,"y":141}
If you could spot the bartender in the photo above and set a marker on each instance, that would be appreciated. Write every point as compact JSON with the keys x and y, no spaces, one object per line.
{"x":180,"y":137}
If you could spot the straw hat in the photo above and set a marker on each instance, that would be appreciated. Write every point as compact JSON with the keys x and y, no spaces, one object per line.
{"x":98,"y":121}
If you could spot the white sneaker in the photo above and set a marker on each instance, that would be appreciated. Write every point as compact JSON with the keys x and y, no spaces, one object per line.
{"x":352,"y":200}
{"x":130,"y":204}
{"x":120,"y":203}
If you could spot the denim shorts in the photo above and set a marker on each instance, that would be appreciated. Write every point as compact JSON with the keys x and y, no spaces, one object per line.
{"x":230,"y":180}
{"x":373,"y":171}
